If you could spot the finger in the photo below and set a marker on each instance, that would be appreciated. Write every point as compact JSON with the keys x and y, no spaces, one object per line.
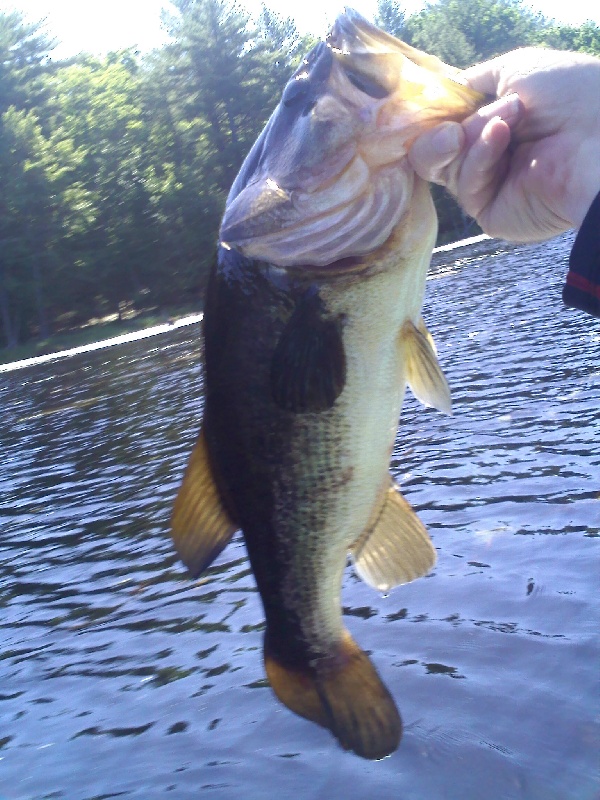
{"x":484,"y":77}
{"x":436,"y":154}
{"x":435,"y":149}
{"x":509,"y":109}
{"x":483,"y":170}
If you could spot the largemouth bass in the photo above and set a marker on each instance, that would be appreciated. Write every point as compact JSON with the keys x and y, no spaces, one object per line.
{"x":312,"y":331}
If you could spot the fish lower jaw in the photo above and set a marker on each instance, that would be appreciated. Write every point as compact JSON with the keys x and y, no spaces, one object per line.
{"x":344,"y":240}
{"x":350,"y":218}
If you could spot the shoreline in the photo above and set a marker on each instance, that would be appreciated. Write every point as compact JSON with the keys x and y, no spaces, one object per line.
{"x":133,"y":336}
{"x":191,"y":319}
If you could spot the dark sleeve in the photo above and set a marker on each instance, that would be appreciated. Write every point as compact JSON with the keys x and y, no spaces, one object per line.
{"x":582,"y":287}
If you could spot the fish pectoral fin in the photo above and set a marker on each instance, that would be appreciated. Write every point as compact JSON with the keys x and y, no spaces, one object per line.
{"x":200,"y":526}
{"x":343,"y":693}
{"x":423,"y":372}
{"x":308,"y":369}
{"x":396,"y":548}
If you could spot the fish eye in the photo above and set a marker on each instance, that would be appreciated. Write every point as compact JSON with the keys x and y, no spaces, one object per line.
{"x":366,"y":85}
{"x":295,"y":92}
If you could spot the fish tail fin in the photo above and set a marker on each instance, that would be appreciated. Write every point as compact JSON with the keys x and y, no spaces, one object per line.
{"x":343,"y":693}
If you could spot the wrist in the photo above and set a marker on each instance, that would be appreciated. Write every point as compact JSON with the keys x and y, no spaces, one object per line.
{"x":583,"y":181}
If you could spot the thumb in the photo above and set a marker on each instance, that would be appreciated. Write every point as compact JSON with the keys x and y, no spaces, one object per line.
{"x":434,"y":150}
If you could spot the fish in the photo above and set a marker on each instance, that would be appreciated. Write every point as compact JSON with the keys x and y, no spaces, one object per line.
{"x":312,"y":331}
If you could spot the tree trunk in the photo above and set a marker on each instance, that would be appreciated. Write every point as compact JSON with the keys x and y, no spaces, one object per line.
{"x":11,"y":334}
{"x":44,"y":330}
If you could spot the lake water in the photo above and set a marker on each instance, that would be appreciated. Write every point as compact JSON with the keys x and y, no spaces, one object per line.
{"x":119,"y":677}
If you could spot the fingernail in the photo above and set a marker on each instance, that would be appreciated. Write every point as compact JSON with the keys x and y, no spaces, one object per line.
{"x":447,"y":138}
{"x":512,"y":109}
{"x":507,"y":108}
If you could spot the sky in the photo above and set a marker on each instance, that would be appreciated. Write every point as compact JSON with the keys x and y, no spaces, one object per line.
{"x":114,"y":24}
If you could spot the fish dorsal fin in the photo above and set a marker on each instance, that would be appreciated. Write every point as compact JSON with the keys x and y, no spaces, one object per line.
{"x":200,"y":525}
{"x":423,"y":372}
{"x":395,"y":548}
{"x":308,"y":369}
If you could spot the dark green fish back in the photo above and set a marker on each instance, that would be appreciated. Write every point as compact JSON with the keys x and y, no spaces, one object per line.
{"x":255,"y":324}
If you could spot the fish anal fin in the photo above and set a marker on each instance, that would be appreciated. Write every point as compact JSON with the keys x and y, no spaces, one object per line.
{"x":343,"y":693}
{"x":308,"y":369}
{"x":395,"y":548}
{"x":200,"y":526}
{"x":423,"y":372}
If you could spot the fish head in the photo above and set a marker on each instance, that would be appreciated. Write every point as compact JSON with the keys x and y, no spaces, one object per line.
{"x":328,"y":178}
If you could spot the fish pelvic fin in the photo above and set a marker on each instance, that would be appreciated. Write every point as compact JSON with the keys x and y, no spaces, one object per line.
{"x":423,"y":372}
{"x":395,"y":547}
{"x":343,"y":693}
{"x":200,"y":526}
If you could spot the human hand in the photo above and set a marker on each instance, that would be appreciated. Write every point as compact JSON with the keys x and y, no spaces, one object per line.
{"x":527,"y":166}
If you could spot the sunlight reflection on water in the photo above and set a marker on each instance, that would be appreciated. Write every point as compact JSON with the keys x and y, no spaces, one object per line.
{"x":120,"y":677}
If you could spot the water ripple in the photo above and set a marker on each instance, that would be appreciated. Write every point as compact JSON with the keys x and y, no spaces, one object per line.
{"x":119,"y":677}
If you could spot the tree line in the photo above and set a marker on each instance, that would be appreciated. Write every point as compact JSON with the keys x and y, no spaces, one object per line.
{"x":114,"y":170}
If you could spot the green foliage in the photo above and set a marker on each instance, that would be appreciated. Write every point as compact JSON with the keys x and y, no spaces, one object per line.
{"x":462,"y":32}
{"x":220,"y":80}
{"x":390,"y":17}
{"x":114,"y":171}
{"x":585,"y":38}
{"x":23,"y":50}
{"x":284,"y":47}
{"x":24,"y":178}
{"x":112,"y":190}
{"x":25,"y":222}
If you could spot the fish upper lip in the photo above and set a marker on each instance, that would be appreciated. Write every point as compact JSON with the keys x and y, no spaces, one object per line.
{"x":236,"y":227}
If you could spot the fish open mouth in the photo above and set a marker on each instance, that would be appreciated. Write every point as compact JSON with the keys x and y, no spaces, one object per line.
{"x":328,"y":178}
{"x":354,"y":224}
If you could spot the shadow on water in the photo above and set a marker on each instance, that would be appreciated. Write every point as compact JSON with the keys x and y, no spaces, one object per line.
{"x":121,"y":678}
